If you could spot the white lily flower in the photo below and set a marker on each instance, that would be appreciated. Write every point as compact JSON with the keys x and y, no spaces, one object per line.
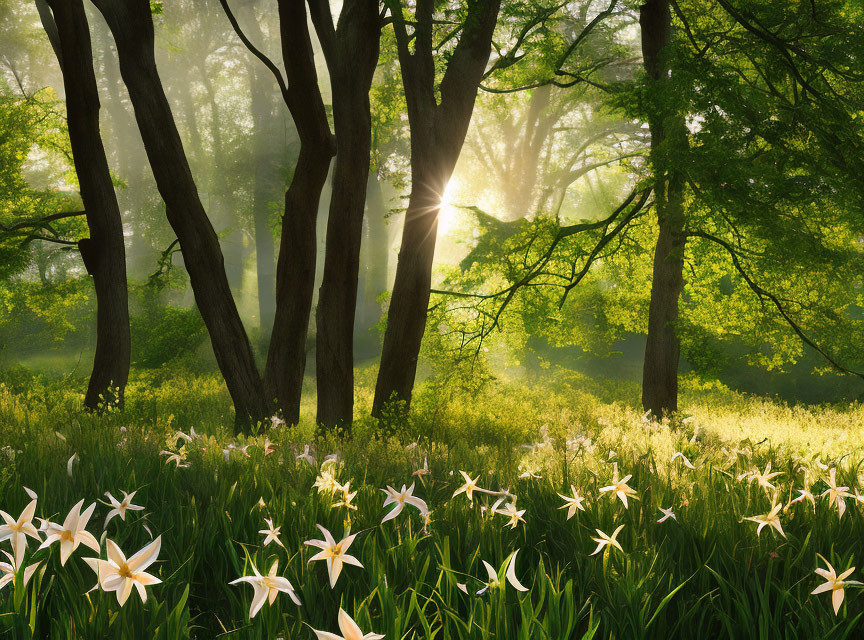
{"x":267,"y":588}
{"x":771,"y":518}
{"x":119,"y":574}
{"x":120,"y":508}
{"x":8,"y":570}
{"x":803,"y":494}
{"x":271,"y":534}
{"x":620,"y":487}
{"x":510,"y":511}
{"x":836,"y":494}
{"x":334,"y":553}
{"x":509,"y":574}
{"x":764,"y":478}
{"x":349,"y":629}
{"x":572,"y":503}
{"x":605,"y":540}
{"x":469,"y":487}
{"x":72,"y":532}
{"x":834,"y":584}
{"x":16,"y":531}
{"x":667,"y":513}
{"x":400,"y":499}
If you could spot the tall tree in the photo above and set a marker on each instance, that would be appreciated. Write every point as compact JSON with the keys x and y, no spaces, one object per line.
{"x":295,"y":271}
{"x":131,"y":24}
{"x":103,"y":252}
{"x":438,"y":130}
{"x":668,"y":138}
{"x":351,"y":51}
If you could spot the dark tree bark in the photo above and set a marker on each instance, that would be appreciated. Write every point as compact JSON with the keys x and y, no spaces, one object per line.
{"x":437,"y":134}
{"x":131,"y":24}
{"x":104,"y":253}
{"x":295,"y":271}
{"x":351,"y":51}
{"x":668,"y":132}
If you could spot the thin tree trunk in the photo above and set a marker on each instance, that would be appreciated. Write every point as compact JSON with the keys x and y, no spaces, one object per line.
{"x":351,"y":60}
{"x":132,"y":26}
{"x":103,"y":252}
{"x":662,"y":350}
{"x":295,"y":270}
{"x":438,"y":130}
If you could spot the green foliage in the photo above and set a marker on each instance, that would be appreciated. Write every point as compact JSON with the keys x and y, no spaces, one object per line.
{"x":164,"y":333}
{"x":704,"y":575}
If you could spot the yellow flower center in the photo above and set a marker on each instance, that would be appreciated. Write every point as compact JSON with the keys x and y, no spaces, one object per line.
{"x":67,"y":536}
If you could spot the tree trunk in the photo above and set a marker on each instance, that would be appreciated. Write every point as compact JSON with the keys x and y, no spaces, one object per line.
{"x":438,"y":130}
{"x":295,"y":270}
{"x":351,"y":60}
{"x":406,"y":318}
{"x":668,"y":130}
{"x":103,"y":252}
{"x":132,"y":26}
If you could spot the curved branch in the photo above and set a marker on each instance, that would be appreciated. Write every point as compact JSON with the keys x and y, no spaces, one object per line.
{"x":762,"y":293}
{"x":283,"y":88}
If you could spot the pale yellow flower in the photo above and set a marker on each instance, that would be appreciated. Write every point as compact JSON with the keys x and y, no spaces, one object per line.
{"x":836,"y":494}
{"x":271,"y":534}
{"x":349,"y":629}
{"x":72,"y":532}
{"x":572,"y":503}
{"x":400,"y":499}
{"x":16,"y":531}
{"x":119,"y":575}
{"x":605,"y":540}
{"x":267,"y":588}
{"x":334,"y":553}
{"x":469,"y":487}
{"x":834,"y":584}
{"x":120,"y":508}
{"x":620,"y":488}
{"x":772,"y":518}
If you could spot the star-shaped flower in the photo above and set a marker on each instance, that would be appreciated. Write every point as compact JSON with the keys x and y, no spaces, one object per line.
{"x":267,"y":588}
{"x":605,"y":540}
{"x":16,"y":531}
{"x":667,"y":513}
{"x":572,"y":503}
{"x":834,"y":584}
{"x":334,"y":553}
{"x":771,"y":518}
{"x":400,"y":499}
{"x":764,"y":478}
{"x":271,"y":534}
{"x":469,"y":487}
{"x":620,"y":488}
{"x":120,"y":508}
{"x":836,"y":494}
{"x":349,"y":629}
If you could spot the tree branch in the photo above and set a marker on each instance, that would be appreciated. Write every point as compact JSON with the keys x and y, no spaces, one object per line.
{"x":762,"y":293}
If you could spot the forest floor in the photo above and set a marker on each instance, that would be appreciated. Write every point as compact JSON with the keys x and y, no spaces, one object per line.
{"x":738,"y":558}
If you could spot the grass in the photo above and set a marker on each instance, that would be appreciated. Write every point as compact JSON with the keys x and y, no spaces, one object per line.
{"x":705,"y":575}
